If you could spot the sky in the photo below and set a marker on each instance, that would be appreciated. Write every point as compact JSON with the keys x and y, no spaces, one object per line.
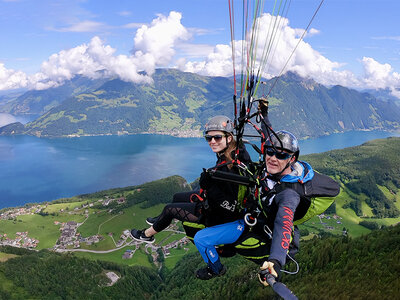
{"x":354,"y":43}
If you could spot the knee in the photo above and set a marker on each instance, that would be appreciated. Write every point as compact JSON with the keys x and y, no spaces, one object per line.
{"x":199,"y":238}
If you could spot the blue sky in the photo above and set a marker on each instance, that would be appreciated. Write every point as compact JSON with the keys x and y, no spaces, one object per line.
{"x":355,"y":43}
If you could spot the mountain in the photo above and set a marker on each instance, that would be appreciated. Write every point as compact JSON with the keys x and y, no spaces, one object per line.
{"x":37,"y":102}
{"x":179,"y":103}
{"x":384,"y":94}
{"x":310,"y":109}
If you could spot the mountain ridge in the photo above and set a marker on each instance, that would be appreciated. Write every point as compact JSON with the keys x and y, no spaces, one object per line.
{"x":179,"y":103}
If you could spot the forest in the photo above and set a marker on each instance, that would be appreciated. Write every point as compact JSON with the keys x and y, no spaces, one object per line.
{"x":367,"y":267}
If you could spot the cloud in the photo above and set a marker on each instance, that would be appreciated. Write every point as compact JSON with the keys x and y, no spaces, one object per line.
{"x":380,"y":76}
{"x":154,"y":46}
{"x":10,"y":79}
{"x":124,"y":13}
{"x":391,"y":38}
{"x":194,"y":50}
{"x":133,"y":25}
{"x":6,"y":119}
{"x":84,"y":26}
{"x":165,"y":42}
{"x":305,"y":61}
{"x":218,"y":63}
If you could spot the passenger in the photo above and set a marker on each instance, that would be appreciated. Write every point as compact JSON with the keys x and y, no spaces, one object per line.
{"x":281,"y":189}
{"x":218,"y":199}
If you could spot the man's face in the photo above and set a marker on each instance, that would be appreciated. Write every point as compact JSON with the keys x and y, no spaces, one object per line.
{"x":276,"y":161}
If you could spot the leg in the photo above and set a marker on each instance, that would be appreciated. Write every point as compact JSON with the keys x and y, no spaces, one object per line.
{"x":206,"y":240}
{"x":183,"y":197}
{"x":181,"y":211}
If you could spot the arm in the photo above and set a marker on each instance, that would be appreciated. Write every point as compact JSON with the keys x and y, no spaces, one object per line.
{"x":287,"y":201}
{"x":263,"y":107}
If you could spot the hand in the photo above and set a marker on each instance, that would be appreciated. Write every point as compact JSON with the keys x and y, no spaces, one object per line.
{"x":269,"y":268}
{"x":205,"y":180}
{"x":263,"y":104}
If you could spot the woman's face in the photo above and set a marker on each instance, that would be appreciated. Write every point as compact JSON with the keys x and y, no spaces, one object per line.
{"x":217,"y":140}
{"x":275,"y":165}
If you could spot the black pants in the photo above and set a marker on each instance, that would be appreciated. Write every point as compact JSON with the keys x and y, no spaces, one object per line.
{"x":181,"y":208}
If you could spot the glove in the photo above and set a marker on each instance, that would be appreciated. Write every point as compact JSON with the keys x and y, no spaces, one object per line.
{"x":205,"y":180}
{"x":271,"y":267}
{"x":263,"y":104}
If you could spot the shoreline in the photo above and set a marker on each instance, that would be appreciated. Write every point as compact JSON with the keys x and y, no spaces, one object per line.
{"x":191,"y":134}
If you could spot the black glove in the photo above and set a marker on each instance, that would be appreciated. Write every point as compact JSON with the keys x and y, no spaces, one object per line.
{"x":263,"y":105}
{"x":270,"y":267}
{"x":205,"y":180}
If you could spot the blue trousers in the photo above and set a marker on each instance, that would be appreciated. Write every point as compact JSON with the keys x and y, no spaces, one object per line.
{"x":207,"y":238}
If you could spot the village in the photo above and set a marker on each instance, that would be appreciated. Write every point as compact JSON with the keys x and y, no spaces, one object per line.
{"x":71,"y":240}
{"x":20,"y":211}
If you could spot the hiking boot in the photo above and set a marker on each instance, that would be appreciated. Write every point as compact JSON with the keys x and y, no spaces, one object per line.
{"x":141,"y":237}
{"x":207,"y":273}
{"x":151,"y":220}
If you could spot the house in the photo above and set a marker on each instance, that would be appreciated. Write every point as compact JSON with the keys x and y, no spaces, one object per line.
{"x":128,"y":254}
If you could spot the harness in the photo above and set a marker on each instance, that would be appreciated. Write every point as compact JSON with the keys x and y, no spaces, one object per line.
{"x":316,"y":195}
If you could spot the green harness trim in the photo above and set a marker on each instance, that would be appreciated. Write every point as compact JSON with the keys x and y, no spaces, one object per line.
{"x":193,"y":225}
{"x":250,"y":243}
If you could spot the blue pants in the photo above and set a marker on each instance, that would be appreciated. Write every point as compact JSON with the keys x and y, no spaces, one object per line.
{"x":207,"y":238}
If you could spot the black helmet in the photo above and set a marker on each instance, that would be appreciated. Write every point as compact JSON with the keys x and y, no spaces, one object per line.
{"x":284,"y":140}
{"x":220,"y":123}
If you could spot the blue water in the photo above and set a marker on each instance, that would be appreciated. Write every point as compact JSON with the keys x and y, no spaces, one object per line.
{"x":38,"y":169}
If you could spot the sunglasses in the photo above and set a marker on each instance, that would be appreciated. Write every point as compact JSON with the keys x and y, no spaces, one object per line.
{"x":216,"y":138}
{"x":278,"y":155}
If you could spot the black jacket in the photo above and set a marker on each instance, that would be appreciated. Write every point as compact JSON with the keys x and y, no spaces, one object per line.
{"x":222,"y":196}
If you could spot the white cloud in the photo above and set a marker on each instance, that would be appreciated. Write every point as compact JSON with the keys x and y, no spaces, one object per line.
{"x":218,"y":63}
{"x":10,"y":79}
{"x":154,"y":46}
{"x":132,"y":25}
{"x":313,"y":32}
{"x":305,"y":61}
{"x":84,"y":26}
{"x":195,"y":50}
{"x":392,"y":38}
{"x":124,"y":13}
{"x":380,"y":76}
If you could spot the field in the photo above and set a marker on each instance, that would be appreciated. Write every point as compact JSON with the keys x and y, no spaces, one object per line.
{"x":108,"y":224}
{"x":349,"y":219}
{"x":6,"y":256}
{"x":39,"y":227}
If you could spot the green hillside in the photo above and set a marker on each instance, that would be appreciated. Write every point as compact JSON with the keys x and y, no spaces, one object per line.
{"x":330,"y":268}
{"x":370,"y":180}
{"x":179,"y":103}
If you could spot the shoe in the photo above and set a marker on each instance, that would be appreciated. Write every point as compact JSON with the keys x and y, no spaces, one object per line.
{"x":207,"y":273}
{"x":151,"y":220}
{"x":141,"y":237}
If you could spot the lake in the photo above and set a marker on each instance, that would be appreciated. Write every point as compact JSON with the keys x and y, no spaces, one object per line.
{"x":39,"y":169}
